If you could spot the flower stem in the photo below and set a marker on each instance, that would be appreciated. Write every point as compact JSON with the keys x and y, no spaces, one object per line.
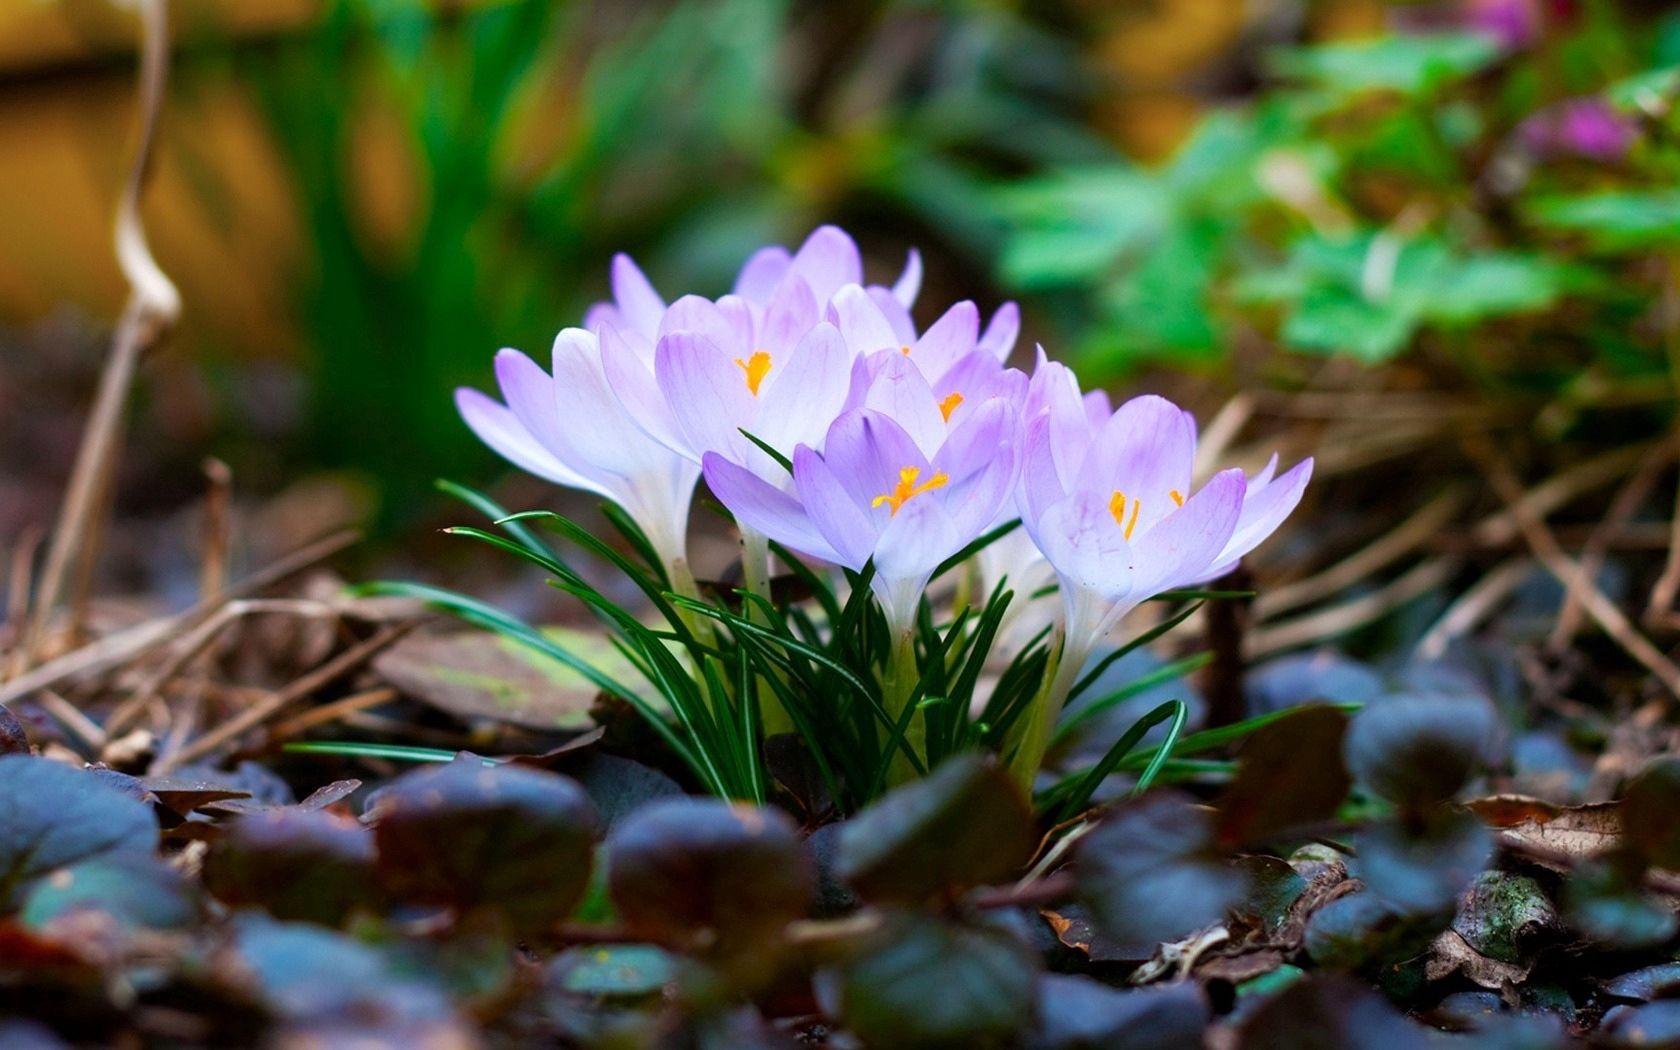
{"x":900,"y":686}
{"x":755,"y":576}
{"x":1046,"y":707}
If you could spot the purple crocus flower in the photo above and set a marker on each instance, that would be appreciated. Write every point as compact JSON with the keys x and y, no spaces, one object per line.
{"x":1117,"y":516}
{"x":572,"y":430}
{"x":878,"y":493}
{"x":871,"y":322}
{"x":1514,"y":23}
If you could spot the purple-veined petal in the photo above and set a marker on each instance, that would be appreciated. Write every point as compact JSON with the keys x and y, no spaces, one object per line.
{"x":708,"y":393}
{"x":1181,"y":547}
{"x":600,"y":315}
{"x":867,"y":452}
{"x":791,"y":313}
{"x":980,"y":500}
{"x":698,"y":315}
{"x":909,"y":283}
{"x":898,"y":391}
{"x":828,"y":261}
{"x":897,"y":315}
{"x":529,"y":393}
{"x":762,"y":273}
{"x":633,"y":383}
{"x":1146,"y":451}
{"x":915,"y":541}
{"x":947,"y":340}
{"x":1001,"y":331}
{"x":1082,"y":542}
{"x":1264,"y":510}
{"x":1041,"y":483}
{"x":589,"y":417}
{"x":638,"y":303}
{"x":1263,"y":477}
{"x":842,"y":523}
{"x":764,"y":508}
{"x":801,"y":398}
{"x":861,"y":322}
{"x":1097,"y":408}
{"x":497,"y":426}
{"x":742,"y":318}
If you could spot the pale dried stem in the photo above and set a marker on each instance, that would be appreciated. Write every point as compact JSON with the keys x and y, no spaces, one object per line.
{"x":1622,"y":507}
{"x":332,"y":712}
{"x":217,"y":531}
{"x":1412,"y":534}
{"x":1338,"y":620}
{"x":152,"y":307}
{"x":67,"y":715}
{"x":1223,"y":429}
{"x":1473,"y":606}
{"x":1546,"y":548}
{"x":272,"y":704}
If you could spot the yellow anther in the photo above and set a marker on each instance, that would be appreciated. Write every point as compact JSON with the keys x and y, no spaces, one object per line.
{"x":906,"y":489}
{"x":949,"y":405}
{"x":1117,"y":508}
{"x":756,"y":367}
{"x":905,"y":350}
{"x":1177,"y":498}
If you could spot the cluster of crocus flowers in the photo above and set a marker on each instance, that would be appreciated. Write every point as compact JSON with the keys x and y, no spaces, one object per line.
{"x":824,"y":421}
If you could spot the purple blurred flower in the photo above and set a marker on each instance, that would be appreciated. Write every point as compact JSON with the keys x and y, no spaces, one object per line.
{"x":1514,"y":23}
{"x":878,"y":492}
{"x":572,"y":430}
{"x":1585,"y":127}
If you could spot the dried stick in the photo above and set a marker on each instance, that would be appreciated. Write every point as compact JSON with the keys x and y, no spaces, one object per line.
{"x":316,"y":716}
{"x":274,"y":703}
{"x":152,"y":308}
{"x":1408,"y":536}
{"x":135,"y":642}
{"x":1622,"y":507}
{"x":218,"y":530}
{"x":1340,"y":619}
{"x":1473,"y":606}
{"x":1546,"y":548}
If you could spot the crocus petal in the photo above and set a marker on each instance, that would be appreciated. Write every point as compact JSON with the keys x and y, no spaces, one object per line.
{"x":1264,"y":510}
{"x":801,"y":398}
{"x":1079,"y":538}
{"x":836,"y":515}
{"x":861,"y":322}
{"x":867,"y":451}
{"x":589,"y":415}
{"x":633,"y":383}
{"x":1181,"y":547}
{"x":898,"y":391}
{"x":791,"y":313}
{"x":600,"y":315}
{"x":529,"y":393}
{"x":762,"y":273}
{"x":896,"y":313}
{"x":947,"y":340}
{"x":909,"y":283}
{"x":497,"y":426}
{"x":764,"y":508}
{"x":1145,"y":451}
{"x":639,"y":304}
{"x":828,"y":261}
{"x":1041,"y":483}
{"x":698,"y":315}
{"x":1002,"y":331}
{"x":915,"y":541}
{"x":709,"y":392}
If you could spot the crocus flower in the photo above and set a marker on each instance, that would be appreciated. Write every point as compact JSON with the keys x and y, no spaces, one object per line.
{"x":1117,"y":516}
{"x":828,"y":261}
{"x":878,"y":493}
{"x":572,"y":430}
{"x":872,"y":322}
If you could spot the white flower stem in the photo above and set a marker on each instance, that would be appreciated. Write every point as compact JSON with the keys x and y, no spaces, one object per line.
{"x":755,"y":576}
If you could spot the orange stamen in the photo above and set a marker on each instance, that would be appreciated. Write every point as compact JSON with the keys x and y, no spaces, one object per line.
{"x":907,"y":489}
{"x":905,"y":350}
{"x":756,"y":367}
{"x":1177,"y":498}
{"x":949,"y":405}
{"x":1117,"y":508}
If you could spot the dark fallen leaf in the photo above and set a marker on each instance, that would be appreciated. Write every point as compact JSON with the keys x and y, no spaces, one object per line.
{"x":1651,"y":814}
{"x":516,"y":841}
{"x":923,"y":982}
{"x":1451,"y":953}
{"x":1148,"y":872}
{"x":1289,"y":775}
{"x":1327,"y":1012}
{"x":52,"y":816}
{"x":136,"y":890}
{"x":182,"y":795}
{"x":966,"y":824}
{"x":1417,"y":751}
{"x":1361,"y":931}
{"x":1423,"y":867}
{"x":707,"y":873}
{"x":619,"y":786}
{"x":1078,"y":1013}
{"x":329,"y":795}
{"x":300,"y":865}
{"x":1073,"y":927}
{"x":1272,"y":886}
{"x":1507,"y":917}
